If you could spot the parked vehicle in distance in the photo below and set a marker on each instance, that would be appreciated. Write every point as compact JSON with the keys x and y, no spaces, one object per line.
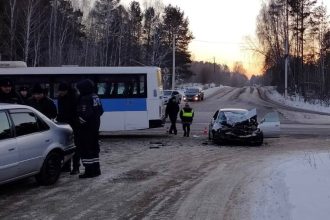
{"x":32,"y":145}
{"x":167,"y":94}
{"x":193,"y":94}
{"x":241,"y":125}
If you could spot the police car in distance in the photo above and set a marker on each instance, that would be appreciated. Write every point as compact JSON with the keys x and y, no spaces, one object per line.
{"x":32,"y":145}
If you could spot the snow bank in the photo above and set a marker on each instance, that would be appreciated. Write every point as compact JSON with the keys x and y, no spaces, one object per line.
{"x":308,"y":182}
{"x":210,"y":91}
{"x":296,"y":101}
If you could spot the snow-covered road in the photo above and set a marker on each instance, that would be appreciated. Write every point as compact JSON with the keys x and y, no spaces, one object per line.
{"x":151,"y":175}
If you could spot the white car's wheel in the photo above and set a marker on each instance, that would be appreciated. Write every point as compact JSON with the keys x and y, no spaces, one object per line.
{"x":51,"y":169}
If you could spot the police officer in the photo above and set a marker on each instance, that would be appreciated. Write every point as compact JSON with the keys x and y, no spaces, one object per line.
{"x":89,"y":112}
{"x":172,"y":110}
{"x":42,"y":102}
{"x":7,"y":92}
{"x":67,"y":113}
{"x":24,"y":93}
{"x":187,"y":116}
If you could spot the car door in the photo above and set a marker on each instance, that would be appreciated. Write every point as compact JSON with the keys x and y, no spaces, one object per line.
{"x":214,"y":118}
{"x":8,"y":149}
{"x":270,"y":125}
{"x":32,"y":141}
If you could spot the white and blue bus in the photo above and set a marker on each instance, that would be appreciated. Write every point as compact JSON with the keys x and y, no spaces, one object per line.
{"x":131,"y":96}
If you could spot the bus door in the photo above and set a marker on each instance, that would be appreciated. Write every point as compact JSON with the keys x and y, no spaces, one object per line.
{"x":136,"y":114}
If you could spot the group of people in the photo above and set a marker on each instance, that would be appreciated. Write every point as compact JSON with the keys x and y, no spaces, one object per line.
{"x":186,"y":116}
{"x":82,"y":110}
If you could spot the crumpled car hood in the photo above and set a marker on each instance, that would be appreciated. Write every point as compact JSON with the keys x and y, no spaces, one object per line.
{"x":246,"y":123}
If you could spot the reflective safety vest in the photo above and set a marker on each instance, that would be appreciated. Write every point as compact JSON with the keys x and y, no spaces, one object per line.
{"x":187,"y":114}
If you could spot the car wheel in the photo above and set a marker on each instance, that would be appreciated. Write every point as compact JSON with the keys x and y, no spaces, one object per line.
{"x":210,"y":137}
{"x":50,"y":170}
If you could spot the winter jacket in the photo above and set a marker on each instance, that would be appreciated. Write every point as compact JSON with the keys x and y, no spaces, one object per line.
{"x":184,"y":115}
{"x":67,"y":109}
{"x":172,"y":108}
{"x":12,"y":98}
{"x":45,"y":105}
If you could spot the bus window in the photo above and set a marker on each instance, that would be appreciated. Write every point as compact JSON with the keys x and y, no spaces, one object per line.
{"x":101,"y":89}
{"x":114,"y":90}
{"x":142,"y":89}
{"x":135,"y":89}
{"x":121,"y":89}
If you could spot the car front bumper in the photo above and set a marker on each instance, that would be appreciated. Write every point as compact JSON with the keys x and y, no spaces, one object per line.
{"x":69,"y":152}
{"x":228,"y":136}
{"x":191,"y":98}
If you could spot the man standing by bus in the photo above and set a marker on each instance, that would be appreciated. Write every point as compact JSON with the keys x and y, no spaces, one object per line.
{"x":67,"y":113}
{"x":172,"y":110}
{"x":8,"y":94}
{"x":89,"y":112}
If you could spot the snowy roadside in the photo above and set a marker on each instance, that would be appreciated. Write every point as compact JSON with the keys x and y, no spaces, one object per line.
{"x":296,"y":188}
{"x":294,"y":101}
{"x":210,"y":91}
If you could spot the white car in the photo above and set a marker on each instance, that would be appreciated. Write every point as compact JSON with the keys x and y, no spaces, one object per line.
{"x":167,"y":94}
{"x":32,"y":145}
{"x":241,"y":125}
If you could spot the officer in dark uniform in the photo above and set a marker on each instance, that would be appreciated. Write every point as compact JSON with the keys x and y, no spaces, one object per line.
{"x":89,"y":112}
{"x":67,"y":113}
{"x":8,"y":93}
{"x":172,"y":110}
{"x":41,"y":102}
{"x":187,"y":116}
{"x":24,"y":93}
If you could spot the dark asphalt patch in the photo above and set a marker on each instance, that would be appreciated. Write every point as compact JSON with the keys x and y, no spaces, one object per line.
{"x":135,"y":176}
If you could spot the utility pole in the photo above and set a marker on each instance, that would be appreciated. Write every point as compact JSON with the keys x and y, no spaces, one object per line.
{"x":286,"y":51}
{"x":173,"y":70}
{"x":213,"y":64}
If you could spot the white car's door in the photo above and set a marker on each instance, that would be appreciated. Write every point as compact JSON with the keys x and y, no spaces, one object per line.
{"x":31,"y":140}
{"x":271,"y":125}
{"x":8,"y":150}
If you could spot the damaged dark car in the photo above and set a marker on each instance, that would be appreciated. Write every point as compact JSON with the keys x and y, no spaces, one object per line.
{"x":236,"y":126}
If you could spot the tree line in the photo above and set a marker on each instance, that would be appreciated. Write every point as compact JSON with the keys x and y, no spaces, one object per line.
{"x":66,"y":32}
{"x":305,"y":23}
{"x":207,"y":72}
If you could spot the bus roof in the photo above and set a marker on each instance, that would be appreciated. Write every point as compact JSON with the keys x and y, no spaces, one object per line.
{"x":12,"y":64}
{"x":76,"y":70}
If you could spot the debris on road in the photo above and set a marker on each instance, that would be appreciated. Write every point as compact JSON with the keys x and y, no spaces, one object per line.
{"x":156,"y":145}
